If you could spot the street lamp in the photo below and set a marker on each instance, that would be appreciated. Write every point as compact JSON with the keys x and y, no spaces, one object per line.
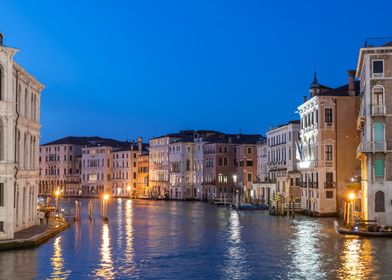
{"x":57,"y":194}
{"x":105,"y":207}
{"x":351,"y":196}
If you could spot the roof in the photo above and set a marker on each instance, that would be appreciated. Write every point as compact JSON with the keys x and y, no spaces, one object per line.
{"x":342,"y":90}
{"x":189,"y":134}
{"x":95,"y":141}
{"x":238,"y":139}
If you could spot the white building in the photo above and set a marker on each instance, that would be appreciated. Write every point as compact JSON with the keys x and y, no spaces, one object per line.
{"x":176,"y":164}
{"x":20,"y":95}
{"x":186,"y":168}
{"x":375,"y":150}
{"x":282,"y":161}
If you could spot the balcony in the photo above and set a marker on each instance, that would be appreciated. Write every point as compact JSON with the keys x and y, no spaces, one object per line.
{"x":378,"y":110}
{"x":329,"y":185}
{"x":372,"y":147}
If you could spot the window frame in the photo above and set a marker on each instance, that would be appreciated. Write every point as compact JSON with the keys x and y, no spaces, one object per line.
{"x":378,"y":75}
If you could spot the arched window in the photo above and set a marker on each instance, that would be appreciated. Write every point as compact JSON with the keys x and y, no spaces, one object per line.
{"x":379,"y":202}
{"x":2,"y":140}
{"x":188,"y":165}
{"x":1,"y":82}
{"x":378,"y":96}
{"x":26,"y":100}
{"x":378,"y":132}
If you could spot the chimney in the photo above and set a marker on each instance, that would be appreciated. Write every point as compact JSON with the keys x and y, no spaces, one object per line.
{"x":1,"y":39}
{"x":305,"y":98}
{"x":351,"y":82}
{"x":140,"y":143}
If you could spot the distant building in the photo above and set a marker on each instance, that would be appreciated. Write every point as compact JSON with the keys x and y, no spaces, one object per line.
{"x":375,"y":150}
{"x":142,"y":186}
{"x":221,"y":176}
{"x":246,"y":159}
{"x":20,"y":95}
{"x":327,"y":146}
{"x":175,"y":169}
{"x":60,"y":165}
{"x":282,"y":161}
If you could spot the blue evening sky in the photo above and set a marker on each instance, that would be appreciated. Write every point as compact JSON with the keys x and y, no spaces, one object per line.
{"x":127,"y":68}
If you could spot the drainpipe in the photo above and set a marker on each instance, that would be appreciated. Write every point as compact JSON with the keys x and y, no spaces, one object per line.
{"x":335,"y":100}
{"x":16,"y":133}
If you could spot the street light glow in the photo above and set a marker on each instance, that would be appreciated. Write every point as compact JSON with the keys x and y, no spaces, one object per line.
{"x":57,"y":192}
{"x":105,"y":196}
{"x":351,"y":196}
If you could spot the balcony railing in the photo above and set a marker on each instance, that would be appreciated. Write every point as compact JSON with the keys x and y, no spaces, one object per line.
{"x":378,"y":110}
{"x":372,"y":147}
{"x":329,"y":185}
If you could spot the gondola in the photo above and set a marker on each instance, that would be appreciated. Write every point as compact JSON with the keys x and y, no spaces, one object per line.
{"x":359,"y":232}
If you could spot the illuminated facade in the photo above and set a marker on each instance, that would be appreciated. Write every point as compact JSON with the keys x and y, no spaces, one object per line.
{"x":20,"y":95}
{"x":326,"y":150}
{"x":375,"y":73}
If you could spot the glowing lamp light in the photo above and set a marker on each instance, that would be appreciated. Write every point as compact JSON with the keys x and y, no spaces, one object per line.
{"x":105,"y":196}
{"x":351,"y":196}
{"x":57,"y":192}
{"x":128,"y":188}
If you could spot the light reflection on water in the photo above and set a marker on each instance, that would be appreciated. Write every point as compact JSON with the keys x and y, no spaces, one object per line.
{"x":57,"y":261}
{"x":190,"y":240}
{"x":357,"y":259}
{"x":106,"y":270}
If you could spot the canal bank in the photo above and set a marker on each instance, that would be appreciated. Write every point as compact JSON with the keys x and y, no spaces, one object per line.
{"x":34,"y":236}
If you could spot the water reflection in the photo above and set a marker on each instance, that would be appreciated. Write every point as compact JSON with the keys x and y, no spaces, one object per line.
{"x":106,"y":270}
{"x":236,"y":265}
{"x":356,"y":259}
{"x":129,"y":253}
{"x":307,"y":260}
{"x":57,"y":261}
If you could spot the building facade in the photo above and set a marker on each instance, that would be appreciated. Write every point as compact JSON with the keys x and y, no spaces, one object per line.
{"x":375,"y":123}
{"x":282,"y":161}
{"x":20,"y":95}
{"x":326,"y":150}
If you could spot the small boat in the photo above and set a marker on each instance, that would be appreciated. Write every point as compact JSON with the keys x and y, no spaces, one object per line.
{"x":357,"y":230}
{"x":249,"y":206}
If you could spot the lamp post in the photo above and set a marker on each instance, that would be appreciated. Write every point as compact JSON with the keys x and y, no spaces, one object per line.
{"x":237,"y":202}
{"x":57,"y":194}
{"x":351,"y":198}
{"x":105,"y":207}
{"x":129,"y":190}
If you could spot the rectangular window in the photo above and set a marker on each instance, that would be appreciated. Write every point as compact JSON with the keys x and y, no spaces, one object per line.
{"x":250,"y":175}
{"x":378,"y":68}
{"x":1,"y":226}
{"x":220,"y":161}
{"x":249,"y":163}
{"x":249,"y":150}
{"x":329,"y":194}
{"x":1,"y":194}
{"x":328,"y":115}
{"x":328,"y":152}
{"x":379,"y":166}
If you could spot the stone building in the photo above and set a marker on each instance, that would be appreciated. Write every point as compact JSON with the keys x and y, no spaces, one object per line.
{"x":20,"y":95}
{"x":282,"y":161}
{"x":246,"y":159}
{"x":60,"y":165}
{"x":168,"y":169}
{"x":221,"y":177}
{"x":375,"y":123}
{"x":121,"y":172}
{"x":326,"y":151}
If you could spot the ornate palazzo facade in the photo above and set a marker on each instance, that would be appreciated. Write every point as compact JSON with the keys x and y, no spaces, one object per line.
{"x":19,"y":144}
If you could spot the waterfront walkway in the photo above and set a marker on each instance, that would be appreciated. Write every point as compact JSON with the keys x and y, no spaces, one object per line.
{"x":34,"y":235}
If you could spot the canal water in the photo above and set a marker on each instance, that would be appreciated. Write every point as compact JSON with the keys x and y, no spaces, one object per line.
{"x":194,"y":240}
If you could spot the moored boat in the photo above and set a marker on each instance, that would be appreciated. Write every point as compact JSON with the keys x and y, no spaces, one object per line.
{"x":377,"y":231}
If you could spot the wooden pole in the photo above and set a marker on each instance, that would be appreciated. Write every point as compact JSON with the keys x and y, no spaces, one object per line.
{"x":90,"y":210}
